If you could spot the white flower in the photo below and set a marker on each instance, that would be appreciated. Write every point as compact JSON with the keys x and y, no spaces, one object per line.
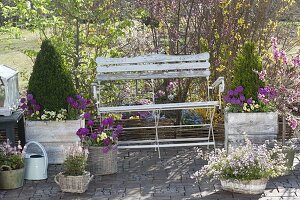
{"x":103,"y":136}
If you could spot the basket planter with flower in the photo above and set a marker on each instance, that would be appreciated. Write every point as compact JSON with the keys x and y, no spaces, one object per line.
{"x":74,"y":178}
{"x":245,"y":169}
{"x":11,"y":166}
{"x":102,"y":145}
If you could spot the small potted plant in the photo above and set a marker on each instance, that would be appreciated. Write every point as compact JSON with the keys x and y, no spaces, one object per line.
{"x":74,"y":178}
{"x":245,"y":169}
{"x":11,"y":166}
{"x":102,"y":144}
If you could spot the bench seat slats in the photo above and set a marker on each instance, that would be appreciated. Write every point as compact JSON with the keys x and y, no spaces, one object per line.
{"x":152,"y":75}
{"x":154,"y":67}
{"x":168,"y":106}
{"x":152,"y":58}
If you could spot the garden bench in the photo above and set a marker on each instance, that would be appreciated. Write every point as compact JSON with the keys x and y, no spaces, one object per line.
{"x":159,"y":66}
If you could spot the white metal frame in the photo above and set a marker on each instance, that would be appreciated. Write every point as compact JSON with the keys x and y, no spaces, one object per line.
{"x":157,"y":66}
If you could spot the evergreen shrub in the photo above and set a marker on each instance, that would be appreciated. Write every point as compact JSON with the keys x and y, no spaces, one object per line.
{"x":50,"y":82}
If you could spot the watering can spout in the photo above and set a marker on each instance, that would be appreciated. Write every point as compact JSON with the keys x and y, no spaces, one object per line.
{"x":36,"y":165}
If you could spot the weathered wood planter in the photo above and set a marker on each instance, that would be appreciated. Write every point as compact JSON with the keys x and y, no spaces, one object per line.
{"x":54,"y":136}
{"x":258,"y":127}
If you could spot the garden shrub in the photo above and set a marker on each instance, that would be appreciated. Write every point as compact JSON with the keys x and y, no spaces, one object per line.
{"x":50,"y":82}
{"x":246,"y":62}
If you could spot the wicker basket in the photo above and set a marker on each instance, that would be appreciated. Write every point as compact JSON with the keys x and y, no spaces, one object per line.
{"x":74,"y":184}
{"x":100,"y":163}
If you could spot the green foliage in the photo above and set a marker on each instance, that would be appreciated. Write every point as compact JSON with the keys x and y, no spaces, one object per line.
{"x":14,"y":161}
{"x":50,"y":81}
{"x":74,"y":165}
{"x":246,"y":62}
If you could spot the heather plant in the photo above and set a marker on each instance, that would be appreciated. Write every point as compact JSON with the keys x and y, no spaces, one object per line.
{"x":246,"y":162}
{"x":281,"y":76}
{"x":11,"y":158}
{"x":75,"y":162}
{"x":50,"y":82}
{"x":105,"y":135}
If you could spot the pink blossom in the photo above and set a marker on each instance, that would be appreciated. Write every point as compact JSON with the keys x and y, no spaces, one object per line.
{"x":262,"y":75}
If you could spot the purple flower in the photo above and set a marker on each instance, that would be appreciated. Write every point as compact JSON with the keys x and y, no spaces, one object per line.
{"x":22,"y":100}
{"x":108,"y":122}
{"x":239,"y":89}
{"x":77,"y":96}
{"x":90,"y":123}
{"x":100,"y":129}
{"x":119,"y":128}
{"x":94,"y":136}
{"x":33,"y":101}
{"x":230,"y":92}
{"x":87,"y":115}
{"x":82,"y":132}
{"x":249,"y":101}
{"x":24,"y":106}
{"x":29,"y":97}
{"x":106,"y":141}
{"x":70,"y":100}
{"x":242,"y":98}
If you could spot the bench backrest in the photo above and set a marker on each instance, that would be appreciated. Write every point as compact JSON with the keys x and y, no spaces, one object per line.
{"x":154,"y":66}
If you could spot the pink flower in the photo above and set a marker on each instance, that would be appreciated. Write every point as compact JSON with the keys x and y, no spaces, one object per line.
{"x":262,"y":75}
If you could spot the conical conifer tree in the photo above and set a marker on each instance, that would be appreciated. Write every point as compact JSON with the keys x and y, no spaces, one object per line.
{"x":50,"y":82}
{"x":247,"y":62}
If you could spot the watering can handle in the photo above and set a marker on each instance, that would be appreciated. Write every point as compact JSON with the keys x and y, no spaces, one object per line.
{"x":43,"y":150}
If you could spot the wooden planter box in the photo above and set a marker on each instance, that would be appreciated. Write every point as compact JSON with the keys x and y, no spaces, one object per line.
{"x":55,"y":136}
{"x":259,"y":127}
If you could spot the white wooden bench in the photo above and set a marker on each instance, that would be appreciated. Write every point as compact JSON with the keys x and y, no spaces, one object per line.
{"x":158,"y":66}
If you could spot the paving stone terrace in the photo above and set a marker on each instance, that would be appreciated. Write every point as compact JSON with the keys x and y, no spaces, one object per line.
{"x":142,"y":175}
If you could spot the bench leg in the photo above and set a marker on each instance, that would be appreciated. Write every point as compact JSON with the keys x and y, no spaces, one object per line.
{"x":156,"y":120}
{"x":211,"y":129}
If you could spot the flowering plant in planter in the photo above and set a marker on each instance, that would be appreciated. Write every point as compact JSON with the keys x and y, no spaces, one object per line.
{"x":75,"y":162}
{"x":11,"y":158}
{"x":237,"y":102}
{"x":103,"y":136}
{"x":35,"y":111}
{"x":281,"y":76}
{"x":247,"y":162}
{"x":74,"y":178}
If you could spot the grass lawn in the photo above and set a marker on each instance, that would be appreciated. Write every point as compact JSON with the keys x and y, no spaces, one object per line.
{"x":12,"y":54}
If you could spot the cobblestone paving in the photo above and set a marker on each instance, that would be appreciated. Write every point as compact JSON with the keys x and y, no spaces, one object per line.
{"x":142,"y":175}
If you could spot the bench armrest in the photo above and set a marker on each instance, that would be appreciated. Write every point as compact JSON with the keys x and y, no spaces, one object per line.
{"x":219,"y":82}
